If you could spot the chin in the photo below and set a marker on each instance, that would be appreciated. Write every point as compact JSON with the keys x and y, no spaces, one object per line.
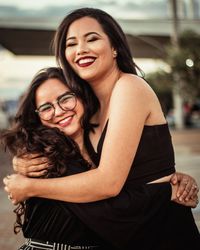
{"x":87,"y":76}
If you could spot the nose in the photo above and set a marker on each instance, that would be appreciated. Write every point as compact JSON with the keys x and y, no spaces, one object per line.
{"x":58,"y":110}
{"x":82,"y":48}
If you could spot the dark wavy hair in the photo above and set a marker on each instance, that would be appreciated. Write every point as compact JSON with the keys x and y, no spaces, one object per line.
{"x":26,"y":115}
{"x":28,"y":135}
{"x":117,"y":39}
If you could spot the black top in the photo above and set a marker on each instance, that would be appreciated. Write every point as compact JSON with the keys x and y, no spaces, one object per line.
{"x":141,"y":215}
{"x":52,"y":220}
{"x":154,"y":157}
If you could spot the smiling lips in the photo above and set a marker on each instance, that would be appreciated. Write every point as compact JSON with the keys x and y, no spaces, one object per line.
{"x":86,"y":61}
{"x":65,"y":122}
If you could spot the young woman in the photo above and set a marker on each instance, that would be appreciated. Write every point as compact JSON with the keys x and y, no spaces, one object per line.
{"x":131,"y":144}
{"x":49,"y":107}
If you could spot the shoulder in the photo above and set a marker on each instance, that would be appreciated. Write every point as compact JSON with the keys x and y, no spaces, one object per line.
{"x":133,"y":86}
{"x":130,"y":98}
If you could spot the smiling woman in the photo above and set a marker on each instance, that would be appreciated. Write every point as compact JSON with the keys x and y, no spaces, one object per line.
{"x":130,"y":144}
{"x":87,"y":52}
{"x":58,"y":115}
{"x":59,"y":108}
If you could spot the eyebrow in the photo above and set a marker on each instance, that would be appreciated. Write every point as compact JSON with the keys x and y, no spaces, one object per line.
{"x":87,"y":34}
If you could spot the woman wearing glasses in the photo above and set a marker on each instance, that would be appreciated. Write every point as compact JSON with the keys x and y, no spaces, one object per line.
{"x":49,"y":107}
{"x":131,"y":144}
{"x":51,"y":224}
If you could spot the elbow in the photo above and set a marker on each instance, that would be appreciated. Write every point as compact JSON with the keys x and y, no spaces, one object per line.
{"x":112,"y":191}
{"x":109,"y":185}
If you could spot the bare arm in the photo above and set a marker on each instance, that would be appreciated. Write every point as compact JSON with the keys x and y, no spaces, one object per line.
{"x":128,"y":113}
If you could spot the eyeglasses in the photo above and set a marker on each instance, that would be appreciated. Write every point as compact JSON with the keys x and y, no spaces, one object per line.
{"x":66,"y":102}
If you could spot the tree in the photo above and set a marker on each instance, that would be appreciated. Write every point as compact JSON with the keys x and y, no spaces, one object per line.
{"x":185,"y":61}
{"x":162,"y":83}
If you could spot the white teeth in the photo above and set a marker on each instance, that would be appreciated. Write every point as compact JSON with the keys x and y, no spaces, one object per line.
{"x":86,"y":60}
{"x":65,"y":120}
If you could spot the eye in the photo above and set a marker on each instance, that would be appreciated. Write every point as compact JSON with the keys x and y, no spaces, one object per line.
{"x":45,"y":108}
{"x":65,"y":98}
{"x":70,"y":44}
{"x":92,"y":39}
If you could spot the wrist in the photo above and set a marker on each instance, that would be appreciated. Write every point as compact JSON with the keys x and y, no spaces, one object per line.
{"x":31,"y":187}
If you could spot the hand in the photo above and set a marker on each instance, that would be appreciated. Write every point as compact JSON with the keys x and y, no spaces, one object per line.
{"x":187,"y":187}
{"x":17,"y":185}
{"x":191,"y":203}
{"x":32,"y":165}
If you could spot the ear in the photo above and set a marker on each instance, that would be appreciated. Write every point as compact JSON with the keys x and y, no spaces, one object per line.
{"x":114,"y":53}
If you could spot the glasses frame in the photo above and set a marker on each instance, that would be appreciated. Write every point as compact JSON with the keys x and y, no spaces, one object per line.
{"x":57,"y":102}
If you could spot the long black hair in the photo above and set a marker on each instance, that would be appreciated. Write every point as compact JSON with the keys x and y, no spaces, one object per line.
{"x":117,"y":39}
{"x":28,"y":135}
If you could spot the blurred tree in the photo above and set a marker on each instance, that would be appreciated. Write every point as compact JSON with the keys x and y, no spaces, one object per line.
{"x":185,"y":61}
{"x":162,"y":83}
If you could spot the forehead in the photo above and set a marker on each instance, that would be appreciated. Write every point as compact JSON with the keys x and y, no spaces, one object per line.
{"x":84,"y":25}
{"x":50,"y":90}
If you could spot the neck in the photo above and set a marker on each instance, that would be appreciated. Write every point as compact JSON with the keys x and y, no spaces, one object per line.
{"x":103,"y":88}
{"x":78,"y":138}
{"x":104,"y":85}
{"x":80,"y":141}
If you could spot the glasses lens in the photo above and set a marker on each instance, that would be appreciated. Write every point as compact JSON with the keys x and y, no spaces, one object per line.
{"x":46,"y":112}
{"x":67,"y":102}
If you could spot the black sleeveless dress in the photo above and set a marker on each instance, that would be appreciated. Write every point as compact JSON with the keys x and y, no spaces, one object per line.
{"x":142,"y":216}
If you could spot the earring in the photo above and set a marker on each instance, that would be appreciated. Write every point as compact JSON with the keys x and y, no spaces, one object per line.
{"x":114,"y":53}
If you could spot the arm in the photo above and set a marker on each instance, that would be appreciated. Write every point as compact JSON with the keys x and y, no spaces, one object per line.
{"x":128,"y":110}
{"x":108,"y":179}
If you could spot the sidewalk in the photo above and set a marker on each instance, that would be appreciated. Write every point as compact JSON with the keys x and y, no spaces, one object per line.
{"x":187,"y":151}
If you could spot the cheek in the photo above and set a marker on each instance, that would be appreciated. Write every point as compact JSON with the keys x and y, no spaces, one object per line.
{"x":48,"y":124}
{"x":69,"y":55}
{"x":79,"y":111}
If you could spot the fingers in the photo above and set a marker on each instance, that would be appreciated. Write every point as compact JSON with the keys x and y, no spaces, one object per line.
{"x":27,"y":165}
{"x":6,"y":180}
{"x":190,"y":203}
{"x":37,"y":174}
{"x":183,"y":188}
{"x":37,"y":168}
{"x":187,"y":189}
{"x":192,"y":193}
{"x":174,"y":179}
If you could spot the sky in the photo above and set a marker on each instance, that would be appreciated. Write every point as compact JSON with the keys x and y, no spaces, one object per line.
{"x":118,"y":8}
{"x":42,"y":3}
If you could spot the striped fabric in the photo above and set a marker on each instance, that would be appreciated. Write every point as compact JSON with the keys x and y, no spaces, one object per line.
{"x":31,"y":244}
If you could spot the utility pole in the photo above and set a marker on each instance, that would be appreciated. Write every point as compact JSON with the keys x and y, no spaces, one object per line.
{"x":177,"y":98}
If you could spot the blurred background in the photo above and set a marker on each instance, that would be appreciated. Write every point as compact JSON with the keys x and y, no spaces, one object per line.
{"x":164,"y":36}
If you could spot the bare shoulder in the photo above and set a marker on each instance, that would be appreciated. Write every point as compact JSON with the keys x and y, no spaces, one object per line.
{"x":133,"y":85}
{"x":130,"y":97}
{"x":136,"y":98}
